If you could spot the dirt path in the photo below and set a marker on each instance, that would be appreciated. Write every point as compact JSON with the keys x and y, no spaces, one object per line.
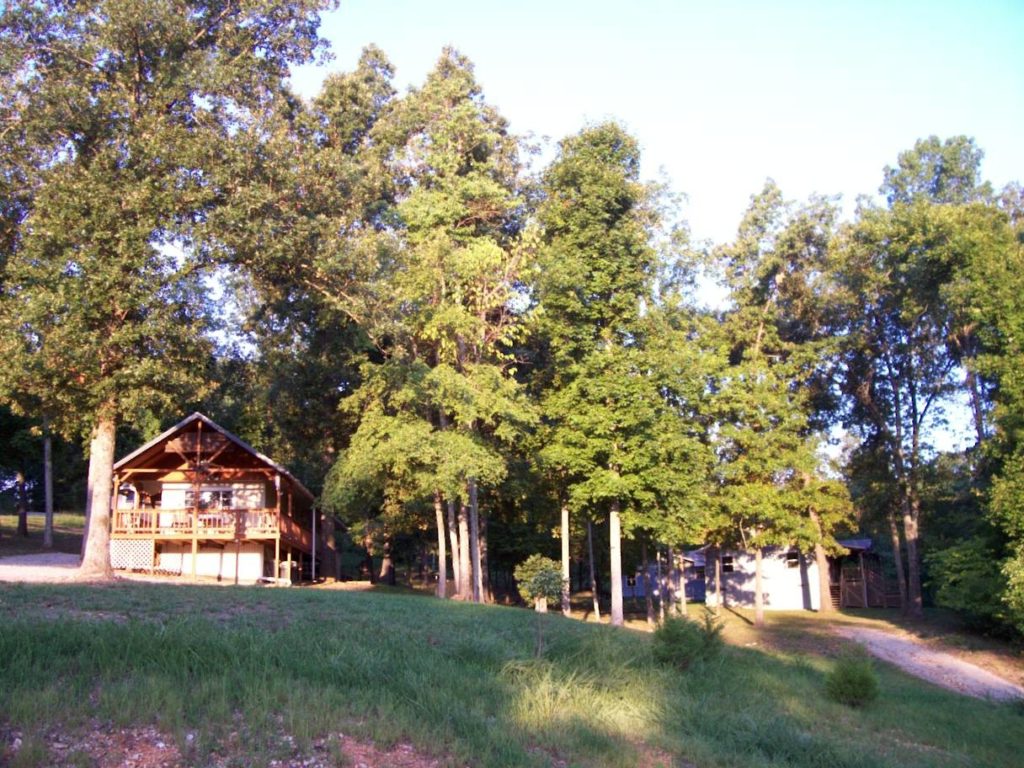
{"x":936,"y":667}
{"x":48,"y":567}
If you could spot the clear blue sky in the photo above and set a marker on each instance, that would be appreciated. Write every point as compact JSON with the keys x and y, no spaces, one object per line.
{"x":721,"y":94}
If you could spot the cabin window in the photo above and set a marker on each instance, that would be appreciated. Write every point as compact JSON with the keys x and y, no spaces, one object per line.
{"x":698,"y":573}
{"x":792,"y":559}
{"x":209,"y":498}
{"x":727,"y":564}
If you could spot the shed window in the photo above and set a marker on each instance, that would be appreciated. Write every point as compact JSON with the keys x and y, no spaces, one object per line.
{"x":792,"y":559}
{"x":727,"y":564}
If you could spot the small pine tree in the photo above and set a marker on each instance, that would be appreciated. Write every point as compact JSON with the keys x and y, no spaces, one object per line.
{"x":680,"y":642}
{"x":852,"y":681}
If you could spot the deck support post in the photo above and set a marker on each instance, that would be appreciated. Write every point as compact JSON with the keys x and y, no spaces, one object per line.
{"x":863,"y":579}
{"x":277,"y":557}
{"x":290,"y":579}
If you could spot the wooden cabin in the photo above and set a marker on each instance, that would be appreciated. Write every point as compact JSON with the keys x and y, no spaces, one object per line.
{"x":199,"y":501}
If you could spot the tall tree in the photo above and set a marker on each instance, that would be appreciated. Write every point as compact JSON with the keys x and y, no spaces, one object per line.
{"x":774,"y":394}
{"x":911,"y":272}
{"x":440,"y":304}
{"x":898,"y":370}
{"x":597,"y":271}
{"x":126,"y":105}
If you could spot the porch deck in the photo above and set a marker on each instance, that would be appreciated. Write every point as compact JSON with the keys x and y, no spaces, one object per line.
{"x":209,"y":525}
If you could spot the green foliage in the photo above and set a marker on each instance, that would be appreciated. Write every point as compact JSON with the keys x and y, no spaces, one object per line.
{"x":939,"y":171}
{"x":597,"y":262}
{"x":127,"y":111}
{"x":967,"y":579}
{"x":773,"y":393}
{"x":619,"y":384}
{"x":539,"y":578}
{"x":852,"y":680}
{"x":1013,"y":592}
{"x":681,"y":642}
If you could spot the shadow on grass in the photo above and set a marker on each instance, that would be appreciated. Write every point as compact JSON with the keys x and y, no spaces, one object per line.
{"x":67,"y":534}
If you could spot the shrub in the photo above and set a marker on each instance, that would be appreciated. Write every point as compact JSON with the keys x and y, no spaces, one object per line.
{"x":852,"y":681}
{"x":539,"y":579}
{"x":966,"y":578}
{"x":680,"y":642}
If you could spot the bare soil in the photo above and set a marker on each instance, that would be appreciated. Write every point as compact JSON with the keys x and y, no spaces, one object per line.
{"x":147,"y":747}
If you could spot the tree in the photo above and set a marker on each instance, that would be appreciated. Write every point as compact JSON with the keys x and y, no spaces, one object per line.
{"x":914,"y":274}
{"x":897,"y":266}
{"x":438,"y":303}
{"x":773,"y":396}
{"x":936,"y":171}
{"x":596,"y":270}
{"x":992,"y":288}
{"x":126,"y":108}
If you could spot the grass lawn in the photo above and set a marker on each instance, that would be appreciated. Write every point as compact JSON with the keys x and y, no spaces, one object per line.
{"x":67,"y":534}
{"x":247,"y":676}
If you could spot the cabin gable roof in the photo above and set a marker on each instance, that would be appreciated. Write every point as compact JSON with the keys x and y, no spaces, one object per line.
{"x":199,"y":433}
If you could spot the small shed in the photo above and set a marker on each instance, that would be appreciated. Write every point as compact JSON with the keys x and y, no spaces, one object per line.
{"x":789,"y":578}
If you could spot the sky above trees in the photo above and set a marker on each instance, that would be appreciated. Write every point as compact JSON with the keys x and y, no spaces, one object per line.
{"x":721,"y":95}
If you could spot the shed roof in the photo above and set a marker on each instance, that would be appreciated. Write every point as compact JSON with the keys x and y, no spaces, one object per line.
{"x":856,"y":545}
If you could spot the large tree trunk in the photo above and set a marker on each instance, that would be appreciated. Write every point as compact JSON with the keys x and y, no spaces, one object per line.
{"x":758,"y":589}
{"x":821,"y":559}
{"x":466,"y":578}
{"x":96,"y":541}
{"x":566,"y":607}
{"x":368,"y":546}
{"x":474,"y":541}
{"x":977,"y":407}
{"x":897,"y":554}
{"x":453,"y":534}
{"x":678,"y":581}
{"x":825,"y":604}
{"x":21,"y":493}
{"x":661,"y":585}
{"x":387,"y":565}
{"x":442,"y":555}
{"x":486,"y":594}
{"x":713,"y":597}
{"x":648,"y":597}
{"x":615,"y":554}
{"x":911,"y":514}
{"x":47,"y":485}
{"x":593,"y":570}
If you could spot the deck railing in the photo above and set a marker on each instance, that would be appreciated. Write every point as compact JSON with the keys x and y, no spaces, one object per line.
{"x":206,"y":523}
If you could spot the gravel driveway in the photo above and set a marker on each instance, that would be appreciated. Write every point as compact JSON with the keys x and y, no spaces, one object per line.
{"x":936,"y":667}
{"x":47,"y":567}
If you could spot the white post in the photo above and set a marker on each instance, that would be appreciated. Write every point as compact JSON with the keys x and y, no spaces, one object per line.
{"x":313,"y":559}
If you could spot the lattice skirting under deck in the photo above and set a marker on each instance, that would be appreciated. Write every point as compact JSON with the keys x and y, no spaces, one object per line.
{"x":132,"y":554}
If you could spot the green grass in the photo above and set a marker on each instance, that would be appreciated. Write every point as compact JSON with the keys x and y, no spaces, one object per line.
{"x":67,"y":534}
{"x":459,"y":682}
